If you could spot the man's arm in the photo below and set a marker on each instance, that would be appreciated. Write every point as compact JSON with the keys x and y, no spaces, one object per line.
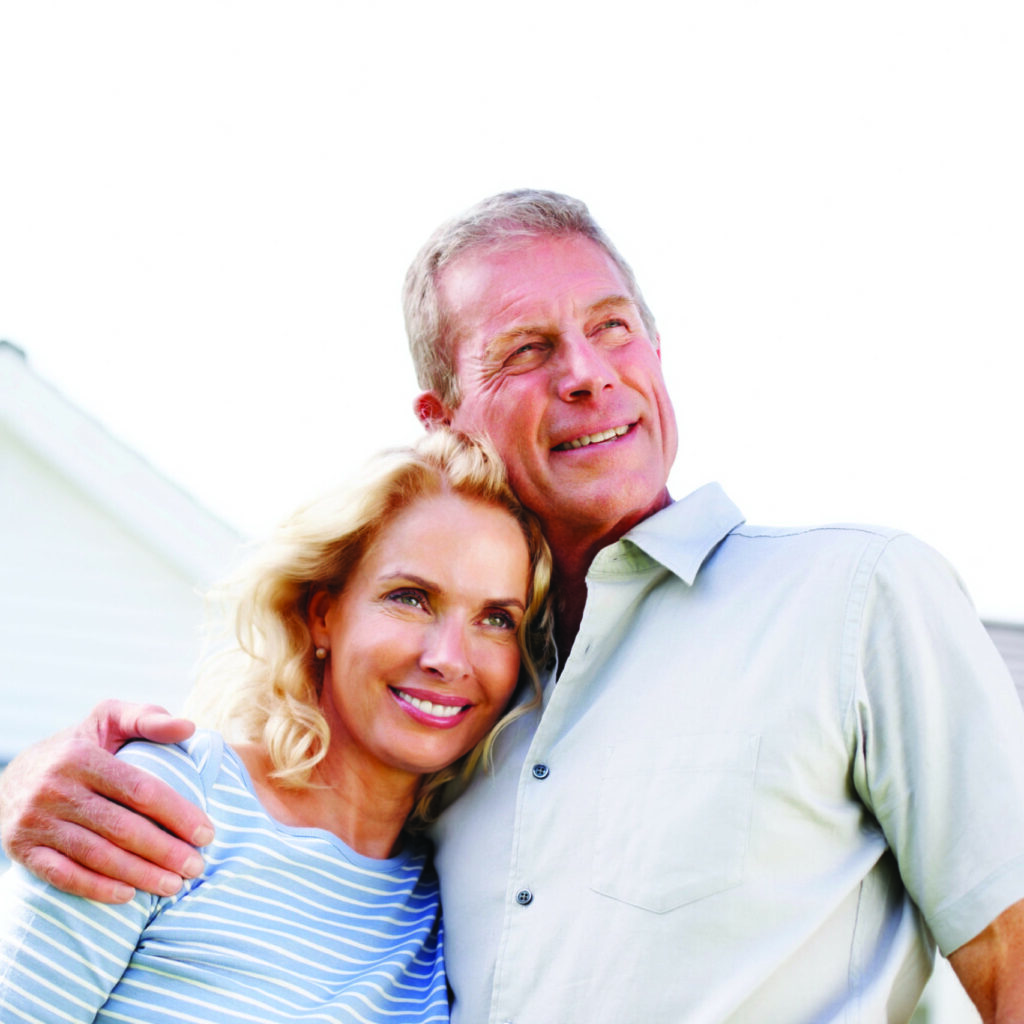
{"x":92,"y":825}
{"x":991,"y":968}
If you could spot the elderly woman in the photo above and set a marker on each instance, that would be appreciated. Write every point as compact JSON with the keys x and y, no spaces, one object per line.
{"x":380,"y":636}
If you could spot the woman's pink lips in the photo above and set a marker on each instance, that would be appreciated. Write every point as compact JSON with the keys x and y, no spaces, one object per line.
{"x":435,"y":721}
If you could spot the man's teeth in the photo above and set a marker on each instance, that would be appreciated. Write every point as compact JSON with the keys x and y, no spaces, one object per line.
{"x":582,"y":442}
{"x":428,"y":708}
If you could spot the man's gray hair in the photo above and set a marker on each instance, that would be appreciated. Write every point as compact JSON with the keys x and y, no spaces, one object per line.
{"x":499,"y":219}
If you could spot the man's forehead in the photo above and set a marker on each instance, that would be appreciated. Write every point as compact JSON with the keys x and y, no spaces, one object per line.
{"x":519,"y":246}
{"x":506,"y":276}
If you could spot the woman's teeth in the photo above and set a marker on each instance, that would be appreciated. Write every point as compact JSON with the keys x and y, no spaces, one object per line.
{"x":429,"y":708}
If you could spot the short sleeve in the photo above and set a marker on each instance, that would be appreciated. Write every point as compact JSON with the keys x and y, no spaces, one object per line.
{"x":940,"y":742}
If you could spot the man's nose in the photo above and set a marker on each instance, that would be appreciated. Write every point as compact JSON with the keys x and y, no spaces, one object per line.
{"x":583,"y":369}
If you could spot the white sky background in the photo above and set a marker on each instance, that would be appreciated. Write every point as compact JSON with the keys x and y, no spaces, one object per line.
{"x":207,"y":209}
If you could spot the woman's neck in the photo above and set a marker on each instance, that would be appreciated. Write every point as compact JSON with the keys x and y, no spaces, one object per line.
{"x":366,"y":813}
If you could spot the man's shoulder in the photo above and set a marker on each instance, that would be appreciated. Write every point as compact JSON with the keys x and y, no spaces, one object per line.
{"x":856,"y":539}
{"x":863,"y":557}
{"x":706,"y":526}
{"x":861,"y":543}
{"x":852,"y":534}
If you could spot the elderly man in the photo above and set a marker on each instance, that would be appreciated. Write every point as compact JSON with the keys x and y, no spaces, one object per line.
{"x":777,"y":766}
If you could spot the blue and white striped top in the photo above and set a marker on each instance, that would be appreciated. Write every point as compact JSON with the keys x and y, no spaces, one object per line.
{"x":285,"y":924}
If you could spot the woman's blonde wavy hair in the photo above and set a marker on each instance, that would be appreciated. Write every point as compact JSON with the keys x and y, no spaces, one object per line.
{"x":266,"y":688}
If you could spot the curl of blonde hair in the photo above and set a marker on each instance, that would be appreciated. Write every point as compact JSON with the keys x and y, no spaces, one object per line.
{"x":266,"y":687}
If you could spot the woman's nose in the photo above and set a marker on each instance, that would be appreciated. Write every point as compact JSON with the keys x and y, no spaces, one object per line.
{"x":444,"y":651}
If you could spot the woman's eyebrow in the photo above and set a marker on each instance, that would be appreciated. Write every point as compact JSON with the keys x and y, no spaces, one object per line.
{"x":414,"y":579}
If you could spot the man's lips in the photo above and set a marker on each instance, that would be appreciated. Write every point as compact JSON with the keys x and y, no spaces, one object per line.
{"x":585,"y":440}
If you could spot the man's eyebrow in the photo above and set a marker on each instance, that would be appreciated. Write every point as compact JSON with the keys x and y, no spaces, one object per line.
{"x":610,"y":302}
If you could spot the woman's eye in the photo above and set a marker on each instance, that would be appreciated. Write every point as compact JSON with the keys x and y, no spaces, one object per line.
{"x":410,"y":598}
{"x":499,"y":619}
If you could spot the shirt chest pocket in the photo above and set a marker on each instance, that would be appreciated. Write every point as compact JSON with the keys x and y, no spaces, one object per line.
{"x":673,"y":819}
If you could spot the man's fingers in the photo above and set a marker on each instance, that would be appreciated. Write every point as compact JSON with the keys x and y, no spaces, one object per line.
{"x":157,"y":859}
{"x":95,"y":825}
{"x":104,"y":851}
{"x":53,"y":867}
{"x":161,"y":727}
{"x":136,"y":789}
{"x":112,"y":723}
{"x":86,"y":804}
{"x":143,"y":868}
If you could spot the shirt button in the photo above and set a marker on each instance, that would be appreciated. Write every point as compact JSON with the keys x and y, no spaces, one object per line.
{"x":541,"y":771}
{"x":524,"y":897}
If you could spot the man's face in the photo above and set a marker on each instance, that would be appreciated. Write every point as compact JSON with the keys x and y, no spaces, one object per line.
{"x":556,"y":367}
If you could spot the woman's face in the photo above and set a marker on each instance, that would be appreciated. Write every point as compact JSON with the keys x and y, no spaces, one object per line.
{"x":422,"y":641}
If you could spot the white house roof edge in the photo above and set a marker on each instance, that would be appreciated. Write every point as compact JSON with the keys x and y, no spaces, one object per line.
{"x":117,"y":478}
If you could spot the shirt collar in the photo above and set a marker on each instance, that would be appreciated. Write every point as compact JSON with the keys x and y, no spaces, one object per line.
{"x":679,"y":537}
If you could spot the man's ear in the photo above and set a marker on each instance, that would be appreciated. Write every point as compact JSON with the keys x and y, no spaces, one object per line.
{"x":431,"y":411}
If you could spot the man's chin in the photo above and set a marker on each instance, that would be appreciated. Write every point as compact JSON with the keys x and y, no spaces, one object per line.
{"x":601,"y":509}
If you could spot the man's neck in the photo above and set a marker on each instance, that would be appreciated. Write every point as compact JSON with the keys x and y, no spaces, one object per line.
{"x":569,"y":604}
{"x":573,"y":554}
{"x":569,"y":587}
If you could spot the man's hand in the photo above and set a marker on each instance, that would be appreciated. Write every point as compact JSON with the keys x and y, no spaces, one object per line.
{"x":68,"y":809}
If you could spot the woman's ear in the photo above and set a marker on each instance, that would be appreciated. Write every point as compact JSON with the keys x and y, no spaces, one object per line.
{"x":319,"y":606}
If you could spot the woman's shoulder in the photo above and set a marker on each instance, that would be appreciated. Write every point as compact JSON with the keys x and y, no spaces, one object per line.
{"x":190,"y":767}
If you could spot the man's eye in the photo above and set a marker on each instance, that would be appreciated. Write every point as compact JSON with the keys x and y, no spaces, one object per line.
{"x":525,"y":353}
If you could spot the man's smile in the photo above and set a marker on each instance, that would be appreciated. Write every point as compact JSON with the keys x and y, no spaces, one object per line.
{"x":588,"y":439}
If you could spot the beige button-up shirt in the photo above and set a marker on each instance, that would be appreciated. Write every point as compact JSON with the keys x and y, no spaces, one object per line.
{"x":776,"y":763}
